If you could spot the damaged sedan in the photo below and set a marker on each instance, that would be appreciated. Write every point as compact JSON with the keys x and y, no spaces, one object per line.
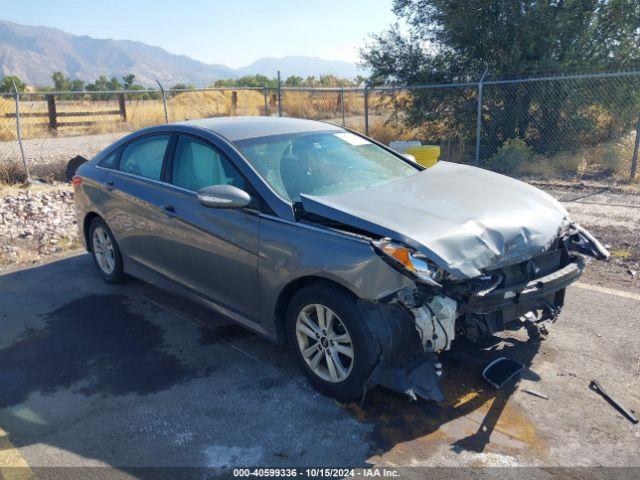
{"x":367,"y":264}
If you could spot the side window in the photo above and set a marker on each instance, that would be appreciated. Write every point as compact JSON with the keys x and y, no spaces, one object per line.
{"x":197,"y":165}
{"x":110,"y":161}
{"x":144,"y":157}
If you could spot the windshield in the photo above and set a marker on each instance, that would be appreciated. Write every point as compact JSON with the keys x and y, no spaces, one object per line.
{"x":324,"y":163}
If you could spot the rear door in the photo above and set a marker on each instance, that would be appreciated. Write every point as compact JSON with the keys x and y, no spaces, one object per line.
{"x":135,"y":213}
{"x":209,"y":250}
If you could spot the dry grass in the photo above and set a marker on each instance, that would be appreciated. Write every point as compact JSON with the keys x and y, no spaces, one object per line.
{"x":610,"y":159}
{"x":140,"y":113}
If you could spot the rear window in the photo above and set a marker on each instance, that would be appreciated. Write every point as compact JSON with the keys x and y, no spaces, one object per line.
{"x":144,"y":157}
{"x":110,"y":161}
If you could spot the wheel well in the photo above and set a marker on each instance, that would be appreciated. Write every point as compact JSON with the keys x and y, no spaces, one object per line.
{"x":85,"y":228}
{"x":290,"y":290}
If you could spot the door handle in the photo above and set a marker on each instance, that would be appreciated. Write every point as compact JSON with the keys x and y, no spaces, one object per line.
{"x":109,"y":185}
{"x":169,"y":209}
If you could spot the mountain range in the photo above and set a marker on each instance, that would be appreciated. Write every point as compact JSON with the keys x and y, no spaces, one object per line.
{"x":33,"y":53}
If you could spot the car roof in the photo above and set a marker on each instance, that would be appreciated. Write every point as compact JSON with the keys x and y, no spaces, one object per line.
{"x":240,"y":128}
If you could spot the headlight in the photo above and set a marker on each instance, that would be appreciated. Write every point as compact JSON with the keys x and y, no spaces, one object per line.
{"x":408,"y":260}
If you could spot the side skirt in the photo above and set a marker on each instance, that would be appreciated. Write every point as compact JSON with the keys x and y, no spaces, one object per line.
{"x":137,"y":270}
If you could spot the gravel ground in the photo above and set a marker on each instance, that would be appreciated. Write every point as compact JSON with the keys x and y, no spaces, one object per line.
{"x":47,"y":157}
{"x":614,"y":218}
{"x":36,"y":224}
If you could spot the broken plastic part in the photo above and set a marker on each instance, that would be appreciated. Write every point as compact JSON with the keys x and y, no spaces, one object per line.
{"x":583,"y":242}
{"x":435,"y":323}
{"x":501,"y":370}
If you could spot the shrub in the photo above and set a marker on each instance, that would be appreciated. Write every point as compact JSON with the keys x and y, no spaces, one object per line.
{"x":611,"y":159}
{"x":512,"y":156}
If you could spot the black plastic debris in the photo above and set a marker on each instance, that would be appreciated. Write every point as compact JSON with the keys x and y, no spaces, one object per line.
{"x":501,"y":370}
{"x":595,"y":386}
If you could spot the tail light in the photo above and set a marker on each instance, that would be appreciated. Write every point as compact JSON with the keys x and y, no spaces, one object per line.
{"x":76,"y":180}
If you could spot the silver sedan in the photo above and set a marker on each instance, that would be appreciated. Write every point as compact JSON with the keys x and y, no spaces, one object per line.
{"x":365,"y":263}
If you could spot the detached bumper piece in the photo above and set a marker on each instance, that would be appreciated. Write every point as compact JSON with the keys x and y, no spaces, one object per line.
{"x":501,"y":370}
{"x":402,"y":365}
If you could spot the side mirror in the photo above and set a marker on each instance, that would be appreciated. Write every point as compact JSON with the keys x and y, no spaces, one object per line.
{"x":223,"y":196}
{"x":408,"y":156}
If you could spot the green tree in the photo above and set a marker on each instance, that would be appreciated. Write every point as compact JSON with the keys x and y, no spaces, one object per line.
{"x":224,"y":82}
{"x":182,"y":86}
{"x":294,"y":81}
{"x":6,"y":84}
{"x":60,"y":82}
{"x":128,"y":81}
{"x":455,"y":41}
{"x":76,"y":85}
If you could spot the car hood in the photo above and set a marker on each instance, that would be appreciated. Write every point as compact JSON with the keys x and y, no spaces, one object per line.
{"x":465,"y":219}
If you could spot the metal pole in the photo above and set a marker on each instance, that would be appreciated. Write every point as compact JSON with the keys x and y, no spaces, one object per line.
{"x":266,"y":102}
{"x":366,"y":110}
{"x":19,"y":132}
{"x":634,"y":161}
{"x":279,"y":95}
{"x":164,"y":101}
{"x":479,"y":119}
{"x":342,"y":104}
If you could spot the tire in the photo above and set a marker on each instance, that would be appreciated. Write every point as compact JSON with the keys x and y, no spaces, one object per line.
{"x":73,"y":165}
{"x":364,"y":347}
{"x":102,"y":242}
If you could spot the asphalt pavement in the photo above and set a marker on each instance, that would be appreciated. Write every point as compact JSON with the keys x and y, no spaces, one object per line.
{"x":128,"y":376}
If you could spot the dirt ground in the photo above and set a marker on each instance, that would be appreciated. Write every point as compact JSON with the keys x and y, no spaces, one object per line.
{"x":613,"y":216}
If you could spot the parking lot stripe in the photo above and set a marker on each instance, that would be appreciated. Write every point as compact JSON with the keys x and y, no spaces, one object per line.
{"x":608,"y":291}
{"x":13,"y":466}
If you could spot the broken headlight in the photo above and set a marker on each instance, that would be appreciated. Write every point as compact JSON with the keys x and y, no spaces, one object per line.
{"x":410,"y":262}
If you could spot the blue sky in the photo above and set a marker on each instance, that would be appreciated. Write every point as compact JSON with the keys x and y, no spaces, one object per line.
{"x":231,"y":32}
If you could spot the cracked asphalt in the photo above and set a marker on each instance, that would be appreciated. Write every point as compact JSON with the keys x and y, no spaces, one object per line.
{"x":128,"y":376}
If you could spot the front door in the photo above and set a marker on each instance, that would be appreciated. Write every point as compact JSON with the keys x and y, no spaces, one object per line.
{"x":211,"y":251}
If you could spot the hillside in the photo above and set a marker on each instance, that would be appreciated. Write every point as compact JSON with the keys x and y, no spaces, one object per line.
{"x":33,"y":53}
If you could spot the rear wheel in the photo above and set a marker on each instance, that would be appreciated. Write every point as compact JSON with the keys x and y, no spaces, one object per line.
{"x":331,"y":341}
{"x":105,"y":252}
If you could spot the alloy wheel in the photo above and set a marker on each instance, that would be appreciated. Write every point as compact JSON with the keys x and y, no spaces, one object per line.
{"x":103,"y":250}
{"x":324,"y":342}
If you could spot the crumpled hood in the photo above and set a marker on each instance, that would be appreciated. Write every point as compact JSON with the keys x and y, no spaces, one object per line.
{"x":463,"y":218}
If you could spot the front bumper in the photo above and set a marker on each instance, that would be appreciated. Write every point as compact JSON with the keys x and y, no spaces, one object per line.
{"x":529,"y":294}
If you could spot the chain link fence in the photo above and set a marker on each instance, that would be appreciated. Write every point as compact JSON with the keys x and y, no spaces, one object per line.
{"x":571,"y":126}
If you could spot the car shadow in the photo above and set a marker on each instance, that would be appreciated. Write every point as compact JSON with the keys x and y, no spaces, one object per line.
{"x":84,"y":337}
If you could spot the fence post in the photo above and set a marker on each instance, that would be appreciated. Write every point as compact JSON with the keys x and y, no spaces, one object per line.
{"x":122,"y":106}
{"x":342,"y":105}
{"x":266,"y":101}
{"x":234,"y":102}
{"x":53,"y":115}
{"x":19,"y":132}
{"x":164,"y":101}
{"x":366,"y":110}
{"x":479,"y":119}
{"x":279,"y":95}
{"x":634,"y":160}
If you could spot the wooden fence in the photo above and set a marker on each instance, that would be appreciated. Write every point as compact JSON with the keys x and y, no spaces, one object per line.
{"x":52,"y":114}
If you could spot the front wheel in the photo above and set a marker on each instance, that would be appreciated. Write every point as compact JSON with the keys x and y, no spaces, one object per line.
{"x":331,"y":341}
